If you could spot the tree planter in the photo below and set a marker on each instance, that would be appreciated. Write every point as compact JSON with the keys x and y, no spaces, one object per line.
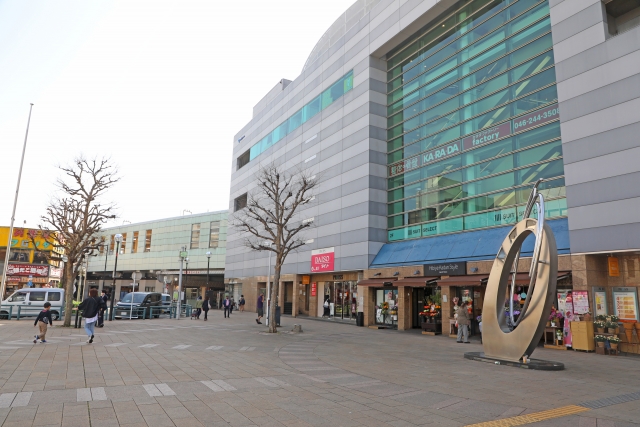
{"x":435,"y":328}
{"x":600,"y":343}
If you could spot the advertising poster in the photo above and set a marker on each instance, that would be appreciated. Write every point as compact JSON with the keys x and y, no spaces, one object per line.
{"x":580,"y":302}
{"x":625,"y":304}
{"x":600,"y":300}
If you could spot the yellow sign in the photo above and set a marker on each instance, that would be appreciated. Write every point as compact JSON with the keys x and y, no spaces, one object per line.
{"x":306,"y":280}
{"x":614,"y":268}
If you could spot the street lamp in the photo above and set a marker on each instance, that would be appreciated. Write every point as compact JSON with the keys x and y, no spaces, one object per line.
{"x":266,"y":243}
{"x":208,"y":259}
{"x":118,"y":239}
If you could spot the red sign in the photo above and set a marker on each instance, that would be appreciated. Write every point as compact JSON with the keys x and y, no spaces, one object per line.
{"x":322,"y":260}
{"x":536,"y":118}
{"x":313,"y":289}
{"x":487,"y":135}
{"x":28,"y":270}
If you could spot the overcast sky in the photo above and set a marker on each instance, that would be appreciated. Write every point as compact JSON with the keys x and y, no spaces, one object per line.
{"x":161,"y":87}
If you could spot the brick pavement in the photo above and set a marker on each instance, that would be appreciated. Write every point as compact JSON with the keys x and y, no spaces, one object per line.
{"x":229,"y":372}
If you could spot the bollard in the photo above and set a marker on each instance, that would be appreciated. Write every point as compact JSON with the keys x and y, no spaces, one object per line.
{"x":297,"y":328}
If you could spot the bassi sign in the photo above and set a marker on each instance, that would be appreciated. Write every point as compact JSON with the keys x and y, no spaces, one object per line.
{"x":446,"y":269}
{"x":322,"y":260}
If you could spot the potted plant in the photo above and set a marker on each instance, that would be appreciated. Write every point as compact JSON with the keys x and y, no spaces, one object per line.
{"x":613,"y":318}
{"x":600,"y":340}
{"x":613,"y":342}
{"x":601,"y":317}
{"x":600,"y":325}
{"x":611,"y":327}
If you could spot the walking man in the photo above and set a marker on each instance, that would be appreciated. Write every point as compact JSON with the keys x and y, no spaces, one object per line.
{"x":43,"y":318}
{"x":463,"y":321}
{"x":105,"y":298}
{"x":227,"y":307}
{"x":90,"y":308}
{"x":260,"y":308}
{"x":205,"y":307}
{"x":242,"y":303}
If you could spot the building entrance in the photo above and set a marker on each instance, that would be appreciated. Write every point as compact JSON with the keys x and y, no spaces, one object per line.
{"x":344,"y":297}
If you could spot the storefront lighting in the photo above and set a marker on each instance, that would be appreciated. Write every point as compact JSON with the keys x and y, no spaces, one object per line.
{"x":377,"y":274}
{"x":397,"y":273}
{"x":415,"y":273}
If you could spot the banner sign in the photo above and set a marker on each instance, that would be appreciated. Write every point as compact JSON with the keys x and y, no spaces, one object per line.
{"x":28,"y":270}
{"x":314,"y":289}
{"x":322,"y":260}
{"x":55,"y":272}
{"x":482,"y":137}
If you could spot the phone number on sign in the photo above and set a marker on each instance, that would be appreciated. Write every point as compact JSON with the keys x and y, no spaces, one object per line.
{"x":537,"y":118}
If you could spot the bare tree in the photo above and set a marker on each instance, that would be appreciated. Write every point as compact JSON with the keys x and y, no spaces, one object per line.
{"x":77,"y":215}
{"x":270,"y":220}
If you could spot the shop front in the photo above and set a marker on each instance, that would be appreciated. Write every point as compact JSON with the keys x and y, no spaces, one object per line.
{"x":423,"y":306}
{"x":470,"y":291}
{"x":380,"y":302}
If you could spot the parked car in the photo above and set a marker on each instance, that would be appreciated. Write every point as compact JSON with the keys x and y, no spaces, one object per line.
{"x":31,"y":302}
{"x":166,"y":303}
{"x":132,"y":304}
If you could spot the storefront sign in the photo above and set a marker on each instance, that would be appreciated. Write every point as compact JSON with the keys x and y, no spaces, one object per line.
{"x":338,"y":277}
{"x":446,"y":269}
{"x":614,"y":267}
{"x":600,"y":301}
{"x":322,"y":260}
{"x":306,"y":280}
{"x":536,"y":118}
{"x":28,"y":270}
{"x":55,"y":272}
{"x":425,"y":158}
{"x":625,"y":303}
{"x":580,"y":302}
{"x":314,"y":289}
{"x":487,"y":135}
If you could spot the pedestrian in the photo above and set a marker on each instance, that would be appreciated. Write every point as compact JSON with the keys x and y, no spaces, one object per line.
{"x":227,"y":307}
{"x":90,"y":308}
{"x":242,"y":302}
{"x":198,"y":307}
{"x":260,"y":308}
{"x":41,"y":321}
{"x":326,"y":307}
{"x":462,"y":312}
{"x":105,"y":298}
{"x":231,"y":306}
{"x":205,"y":307}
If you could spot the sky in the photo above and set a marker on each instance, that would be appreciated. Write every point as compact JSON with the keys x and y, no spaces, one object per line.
{"x":159,"y":87}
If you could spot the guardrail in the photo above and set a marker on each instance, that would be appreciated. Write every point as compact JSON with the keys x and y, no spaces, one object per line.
{"x":8,"y":312}
{"x":15,"y":312}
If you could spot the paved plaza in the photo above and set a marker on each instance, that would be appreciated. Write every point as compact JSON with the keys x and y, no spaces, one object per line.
{"x":229,"y":372}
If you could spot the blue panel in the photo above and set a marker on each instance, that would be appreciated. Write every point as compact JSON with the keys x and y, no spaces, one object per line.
{"x":472,"y":246}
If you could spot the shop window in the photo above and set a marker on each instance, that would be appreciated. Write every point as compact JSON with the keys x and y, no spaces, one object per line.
{"x":387,"y":306}
{"x":112,"y":244}
{"x":149,"y":288}
{"x":244,"y":159}
{"x":19,"y":255}
{"x":123,"y":244}
{"x":214,"y":234}
{"x":147,"y":241}
{"x":40,"y":257}
{"x":621,"y":15}
{"x":631,"y":268}
{"x":240,"y":202}
{"x":195,"y":236}
{"x":134,"y":245}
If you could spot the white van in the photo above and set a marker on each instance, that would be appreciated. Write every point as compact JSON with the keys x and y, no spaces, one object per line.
{"x":31,"y":301}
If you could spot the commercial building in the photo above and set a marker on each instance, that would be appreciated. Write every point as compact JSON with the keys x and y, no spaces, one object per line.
{"x":427,"y":123}
{"x":30,"y":259}
{"x":149,"y":256}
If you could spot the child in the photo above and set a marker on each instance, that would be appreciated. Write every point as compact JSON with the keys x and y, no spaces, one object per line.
{"x":41,"y":320}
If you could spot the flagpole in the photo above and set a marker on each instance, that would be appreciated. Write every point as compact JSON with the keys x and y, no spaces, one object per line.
{"x":13,"y":213}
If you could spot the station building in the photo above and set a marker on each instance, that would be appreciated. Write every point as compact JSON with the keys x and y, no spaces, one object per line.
{"x":427,"y":123}
{"x":149,"y":257}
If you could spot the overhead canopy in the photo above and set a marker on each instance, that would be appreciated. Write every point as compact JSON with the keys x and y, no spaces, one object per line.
{"x":475,"y":280}
{"x":388,"y":281}
{"x":416,"y":282}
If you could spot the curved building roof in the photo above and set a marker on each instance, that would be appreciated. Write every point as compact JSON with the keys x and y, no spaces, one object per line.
{"x":339,"y":28}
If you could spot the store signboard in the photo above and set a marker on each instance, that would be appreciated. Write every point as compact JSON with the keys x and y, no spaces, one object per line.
{"x":486,"y":135}
{"x":536,"y":118}
{"x":36,"y":270}
{"x":614,"y":267}
{"x":322,"y":260}
{"x":625,"y":303}
{"x":580,"y":302}
{"x":314,"y":289}
{"x":600,"y":301}
{"x":430,"y":156}
{"x":55,"y":272}
{"x":306,"y":280}
{"x":446,"y":269}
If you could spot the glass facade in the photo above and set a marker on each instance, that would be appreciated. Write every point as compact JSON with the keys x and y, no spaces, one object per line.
{"x":311,"y":109}
{"x":473,"y":120}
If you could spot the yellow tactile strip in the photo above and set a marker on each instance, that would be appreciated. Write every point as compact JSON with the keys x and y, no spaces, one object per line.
{"x":533,"y":417}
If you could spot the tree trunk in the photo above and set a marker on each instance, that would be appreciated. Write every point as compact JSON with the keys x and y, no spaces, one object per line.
{"x":68,"y":292}
{"x":275,"y":287}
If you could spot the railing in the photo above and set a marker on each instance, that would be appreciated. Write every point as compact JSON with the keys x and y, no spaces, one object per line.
{"x":8,"y":312}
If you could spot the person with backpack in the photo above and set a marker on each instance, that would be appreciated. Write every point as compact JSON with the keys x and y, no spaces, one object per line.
{"x":90,"y":308}
{"x":43,"y":317}
{"x":205,"y":307}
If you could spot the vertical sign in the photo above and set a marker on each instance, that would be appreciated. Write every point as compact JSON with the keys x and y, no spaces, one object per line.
{"x":600,"y":301}
{"x":314,"y":289}
{"x":580,"y":302}
{"x":322,"y":260}
{"x":625,"y":303}
{"x":614,"y":267}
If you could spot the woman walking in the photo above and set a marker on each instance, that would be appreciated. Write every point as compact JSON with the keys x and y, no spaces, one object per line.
{"x":205,"y":307}
{"x":90,"y":308}
{"x":198,"y":307}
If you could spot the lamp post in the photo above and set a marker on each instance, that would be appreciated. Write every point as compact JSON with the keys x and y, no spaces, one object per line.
{"x":118,"y":239}
{"x":106,"y":256}
{"x":268,"y":283}
{"x":208,"y":259}
{"x":183,"y":256}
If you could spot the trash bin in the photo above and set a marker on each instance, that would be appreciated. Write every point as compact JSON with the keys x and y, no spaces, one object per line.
{"x":277,"y":315}
{"x":360,"y":319}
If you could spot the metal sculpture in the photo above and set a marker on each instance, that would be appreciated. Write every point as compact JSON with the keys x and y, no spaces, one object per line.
{"x":508,"y":338}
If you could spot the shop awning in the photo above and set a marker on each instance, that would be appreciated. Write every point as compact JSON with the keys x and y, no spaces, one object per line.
{"x":474,"y":280}
{"x":389,"y":281}
{"x":417,"y":282}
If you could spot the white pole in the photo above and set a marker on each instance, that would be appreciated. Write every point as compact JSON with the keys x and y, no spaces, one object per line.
{"x":13,"y":213}
{"x":133,"y":277}
{"x":180,"y":288}
{"x":268,"y":287}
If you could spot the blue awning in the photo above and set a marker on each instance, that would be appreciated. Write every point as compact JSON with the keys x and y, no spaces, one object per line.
{"x":471,"y":246}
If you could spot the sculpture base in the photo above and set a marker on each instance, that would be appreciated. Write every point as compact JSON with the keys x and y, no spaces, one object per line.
{"x":536,"y":364}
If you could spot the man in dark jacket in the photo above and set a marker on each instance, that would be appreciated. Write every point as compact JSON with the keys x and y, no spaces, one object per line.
{"x":227,"y":307}
{"x":90,"y":307}
{"x":104,"y":298}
